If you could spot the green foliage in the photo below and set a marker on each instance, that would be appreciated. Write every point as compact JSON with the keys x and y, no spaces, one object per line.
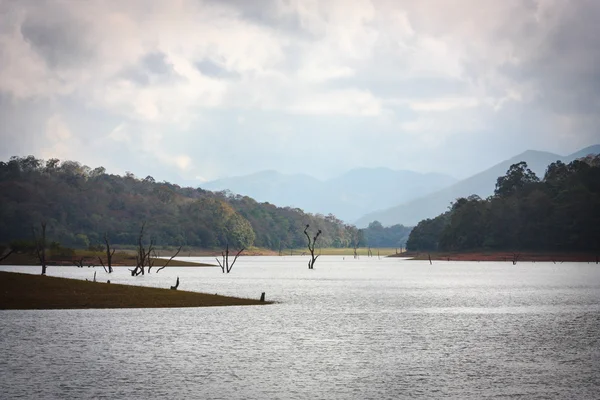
{"x":426,"y":235}
{"x":517,"y":177}
{"x":376,"y":235}
{"x":561,"y":212}
{"x":80,"y":204}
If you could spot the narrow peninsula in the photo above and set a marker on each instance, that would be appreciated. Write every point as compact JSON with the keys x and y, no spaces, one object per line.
{"x":36,"y":292}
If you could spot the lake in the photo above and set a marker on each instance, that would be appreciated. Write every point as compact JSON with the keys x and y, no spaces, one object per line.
{"x":349,"y":329}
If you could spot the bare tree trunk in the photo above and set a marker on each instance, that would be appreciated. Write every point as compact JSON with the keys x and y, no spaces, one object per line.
{"x":109,"y":254}
{"x":176,"y":284}
{"x":102,"y":263}
{"x":143,"y":257}
{"x":40,"y":246}
{"x":311,"y":247}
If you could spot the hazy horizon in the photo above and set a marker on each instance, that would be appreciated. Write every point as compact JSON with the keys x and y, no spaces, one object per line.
{"x":194,"y":91}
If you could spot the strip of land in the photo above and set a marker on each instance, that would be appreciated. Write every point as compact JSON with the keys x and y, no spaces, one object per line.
{"x":36,"y":292}
{"x":87,"y":258}
{"x":501,"y":256}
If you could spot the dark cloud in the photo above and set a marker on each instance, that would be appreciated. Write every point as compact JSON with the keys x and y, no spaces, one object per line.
{"x":210,"y":68}
{"x":156,"y":63}
{"x":61,"y":42}
{"x":565,"y":66}
{"x":267,"y":13}
{"x":151,"y":68}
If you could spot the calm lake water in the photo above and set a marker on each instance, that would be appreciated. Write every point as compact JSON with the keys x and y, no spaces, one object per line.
{"x":349,"y":329}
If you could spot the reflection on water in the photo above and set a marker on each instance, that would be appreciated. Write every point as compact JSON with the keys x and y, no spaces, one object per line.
{"x":358,"y":329}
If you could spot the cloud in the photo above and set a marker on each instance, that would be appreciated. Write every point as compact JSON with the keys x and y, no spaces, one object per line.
{"x":168,"y":81}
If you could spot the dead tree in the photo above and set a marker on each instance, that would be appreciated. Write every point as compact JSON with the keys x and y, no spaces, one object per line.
{"x":311,"y":247}
{"x":225,"y":267}
{"x":143,"y":256}
{"x":109,"y":255}
{"x":515,"y":258}
{"x":167,"y":263}
{"x":176,"y":284}
{"x":152,"y":260}
{"x":369,"y":252}
{"x":78,"y":263}
{"x":40,"y":246}
{"x":356,"y":236}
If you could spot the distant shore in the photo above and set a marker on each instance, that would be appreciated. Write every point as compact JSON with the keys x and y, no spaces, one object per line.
{"x":35,"y":292}
{"x":127,"y":257}
{"x":501,"y":256}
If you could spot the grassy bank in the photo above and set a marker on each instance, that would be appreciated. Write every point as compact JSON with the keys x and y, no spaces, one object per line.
{"x":334,"y":251}
{"x":120,"y":258}
{"x":25,"y":291}
{"x":501,"y":256}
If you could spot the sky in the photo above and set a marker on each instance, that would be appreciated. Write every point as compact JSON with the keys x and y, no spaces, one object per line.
{"x":190,"y":90}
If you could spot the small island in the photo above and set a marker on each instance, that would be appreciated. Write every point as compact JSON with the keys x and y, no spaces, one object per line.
{"x":35,"y":292}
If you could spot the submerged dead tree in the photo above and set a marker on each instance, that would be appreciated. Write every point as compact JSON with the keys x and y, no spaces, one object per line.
{"x":311,"y":247}
{"x":176,"y":284}
{"x":357,"y":236}
{"x":225,"y":267}
{"x":40,"y":246}
{"x":167,"y":263}
{"x":109,"y":255}
{"x":142,"y":258}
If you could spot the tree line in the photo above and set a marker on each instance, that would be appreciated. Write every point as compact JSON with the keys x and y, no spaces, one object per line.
{"x":81,"y":205}
{"x":560,"y":212}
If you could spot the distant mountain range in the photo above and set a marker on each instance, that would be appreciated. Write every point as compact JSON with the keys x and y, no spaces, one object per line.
{"x":347,"y":196}
{"x":483,"y":184}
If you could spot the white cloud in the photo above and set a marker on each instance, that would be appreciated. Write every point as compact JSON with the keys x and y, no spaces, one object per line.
{"x":184,"y":76}
{"x":444,"y":104}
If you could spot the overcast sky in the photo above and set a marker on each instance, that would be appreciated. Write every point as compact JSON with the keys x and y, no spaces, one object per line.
{"x":185,"y":90}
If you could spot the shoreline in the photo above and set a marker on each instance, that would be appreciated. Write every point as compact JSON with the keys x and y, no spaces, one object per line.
{"x":36,"y":292}
{"x":507,"y":256}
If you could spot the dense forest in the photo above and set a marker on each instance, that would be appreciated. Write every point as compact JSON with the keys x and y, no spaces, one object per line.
{"x":560,"y":212}
{"x":376,"y":235}
{"x":80,"y":204}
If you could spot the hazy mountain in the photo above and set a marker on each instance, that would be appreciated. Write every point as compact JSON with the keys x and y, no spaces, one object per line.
{"x":482,"y":184}
{"x":347,"y":196}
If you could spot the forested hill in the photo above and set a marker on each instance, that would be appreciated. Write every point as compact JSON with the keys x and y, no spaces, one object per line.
{"x":80,"y":204}
{"x":560,"y":212}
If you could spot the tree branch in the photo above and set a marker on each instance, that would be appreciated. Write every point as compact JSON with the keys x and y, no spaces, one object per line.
{"x":167,"y":263}
{"x":7,"y":254}
{"x":234,"y":260}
